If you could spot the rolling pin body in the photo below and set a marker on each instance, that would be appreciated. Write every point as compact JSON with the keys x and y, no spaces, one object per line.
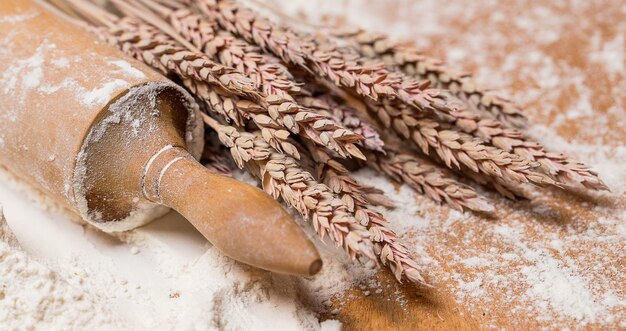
{"x":115,"y":142}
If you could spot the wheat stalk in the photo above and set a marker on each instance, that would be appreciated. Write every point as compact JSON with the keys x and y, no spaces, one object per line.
{"x":213,"y":159}
{"x":414,"y":63}
{"x":281,"y":176}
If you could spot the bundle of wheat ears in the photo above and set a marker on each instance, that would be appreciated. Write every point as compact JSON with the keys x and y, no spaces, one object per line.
{"x":292,"y":107}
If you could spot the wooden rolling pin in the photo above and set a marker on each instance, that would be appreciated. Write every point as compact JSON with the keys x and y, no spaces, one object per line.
{"x":110,"y":139}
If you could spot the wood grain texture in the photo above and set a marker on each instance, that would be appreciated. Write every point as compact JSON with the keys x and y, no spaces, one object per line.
{"x":399,"y":307}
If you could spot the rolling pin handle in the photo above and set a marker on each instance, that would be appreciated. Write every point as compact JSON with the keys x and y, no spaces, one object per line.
{"x":240,"y":220}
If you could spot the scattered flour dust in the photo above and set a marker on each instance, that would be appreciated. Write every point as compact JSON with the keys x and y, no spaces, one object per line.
{"x":557,"y":262}
{"x":552,"y":263}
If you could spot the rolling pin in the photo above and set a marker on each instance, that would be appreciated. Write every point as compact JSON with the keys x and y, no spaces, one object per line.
{"x":115,"y":142}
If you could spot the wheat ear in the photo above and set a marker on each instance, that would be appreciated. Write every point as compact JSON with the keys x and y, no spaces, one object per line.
{"x":281,"y":176}
{"x":557,"y":166}
{"x":425,"y":177}
{"x":162,"y":53}
{"x":403,"y":56}
{"x":328,"y":105}
{"x":414,"y":63}
{"x":134,"y":38}
{"x":341,"y":66}
{"x":366,"y":79}
{"x":456,"y":148}
{"x":389,"y":249}
{"x":135,"y":35}
{"x":269,"y":76}
{"x":420,"y":174}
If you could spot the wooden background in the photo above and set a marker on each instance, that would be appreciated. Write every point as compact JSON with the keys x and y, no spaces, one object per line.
{"x":564,"y":61}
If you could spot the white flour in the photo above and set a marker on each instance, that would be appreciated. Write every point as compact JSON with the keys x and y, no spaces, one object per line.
{"x":525,"y":264}
{"x":34,"y":296}
{"x":163,"y":276}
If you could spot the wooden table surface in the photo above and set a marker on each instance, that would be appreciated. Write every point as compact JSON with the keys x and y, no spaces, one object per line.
{"x":525,"y":268}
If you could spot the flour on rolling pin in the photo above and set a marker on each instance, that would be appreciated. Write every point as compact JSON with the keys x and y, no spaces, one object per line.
{"x":118,"y":143}
{"x":44,"y":77}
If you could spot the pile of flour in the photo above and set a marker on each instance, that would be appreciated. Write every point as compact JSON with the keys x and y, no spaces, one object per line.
{"x":57,"y":273}
{"x":33,"y":295}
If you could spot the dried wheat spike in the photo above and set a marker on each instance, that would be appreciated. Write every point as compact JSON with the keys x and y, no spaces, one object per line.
{"x":342,"y":66}
{"x":146,"y":43}
{"x":326,"y":104}
{"x":281,"y":111}
{"x":281,"y":176}
{"x":414,"y":63}
{"x":557,"y":166}
{"x":424,"y":177}
{"x":283,"y":114}
{"x":158,"y":51}
{"x":419,"y":173}
{"x":456,"y":148}
{"x":239,"y":109}
{"x":266,"y":71}
{"x":390,"y":250}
